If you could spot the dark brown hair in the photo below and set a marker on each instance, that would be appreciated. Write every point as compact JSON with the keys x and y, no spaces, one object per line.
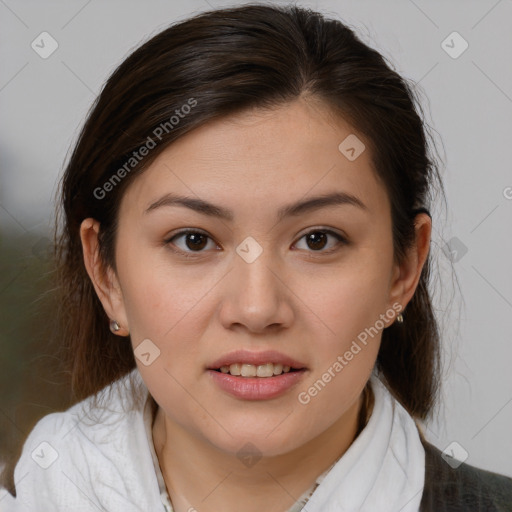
{"x":223,"y":62}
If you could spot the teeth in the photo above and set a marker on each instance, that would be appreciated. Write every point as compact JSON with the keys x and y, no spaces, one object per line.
{"x":248,"y":370}
{"x":235,"y":369}
{"x":278,"y":368}
{"x":251,"y":370}
{"x":265,"y":370}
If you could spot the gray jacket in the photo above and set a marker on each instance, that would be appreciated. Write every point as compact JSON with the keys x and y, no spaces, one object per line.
{"x":465,"y":488}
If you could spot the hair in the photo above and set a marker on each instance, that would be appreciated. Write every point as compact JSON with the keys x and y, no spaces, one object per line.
{"x":207,"y":67}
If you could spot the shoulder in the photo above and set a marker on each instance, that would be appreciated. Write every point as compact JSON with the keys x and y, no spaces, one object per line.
{"x":87,"y":457}
{"x":464,"y":487}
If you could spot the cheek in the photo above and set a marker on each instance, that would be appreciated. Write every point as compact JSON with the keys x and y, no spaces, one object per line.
{"x":348,"y":332}
{"x":347,"y":342}
{"x":352,"y":298}
{"x":168,"y":306}
{"x":159,"y":296}
{"x":171,"y":306}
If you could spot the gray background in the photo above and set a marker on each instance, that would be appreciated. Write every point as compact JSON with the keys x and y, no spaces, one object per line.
{"x":468,"y":101}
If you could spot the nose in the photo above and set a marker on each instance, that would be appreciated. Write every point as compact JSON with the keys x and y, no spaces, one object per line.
{"x":256,"y":296}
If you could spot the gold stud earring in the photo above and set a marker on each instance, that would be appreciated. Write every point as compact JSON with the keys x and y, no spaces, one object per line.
{"x":400,"y":318}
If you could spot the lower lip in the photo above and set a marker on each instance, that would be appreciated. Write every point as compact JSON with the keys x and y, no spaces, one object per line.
{"x":256,"y":388}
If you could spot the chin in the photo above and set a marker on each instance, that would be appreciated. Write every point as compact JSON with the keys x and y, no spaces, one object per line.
{"x":255,"y":435}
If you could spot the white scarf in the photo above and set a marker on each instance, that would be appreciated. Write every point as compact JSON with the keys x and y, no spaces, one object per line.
{"x":109,"y":462}
{"x":383,"y":469}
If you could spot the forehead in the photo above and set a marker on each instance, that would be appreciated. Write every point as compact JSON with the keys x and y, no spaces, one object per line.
{"x":264,"y":158}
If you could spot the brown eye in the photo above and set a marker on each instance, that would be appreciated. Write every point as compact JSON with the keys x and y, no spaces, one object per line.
{"x":193,"y":241}
{"x":318,"y":239}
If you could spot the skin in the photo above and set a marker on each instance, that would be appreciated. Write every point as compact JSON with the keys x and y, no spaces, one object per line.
{"x":295,"y":298}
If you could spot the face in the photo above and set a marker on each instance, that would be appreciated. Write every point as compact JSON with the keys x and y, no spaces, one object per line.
{"x":277,"y":278}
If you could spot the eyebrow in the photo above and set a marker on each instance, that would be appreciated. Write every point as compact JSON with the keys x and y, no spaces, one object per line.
{"x":291,"y":210}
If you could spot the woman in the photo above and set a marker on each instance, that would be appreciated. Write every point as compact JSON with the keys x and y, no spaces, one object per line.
{"x":244,"y":263}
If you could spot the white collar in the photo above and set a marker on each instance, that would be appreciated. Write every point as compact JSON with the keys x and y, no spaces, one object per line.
{"x":383,"y":469}
{"x":164,"y":496}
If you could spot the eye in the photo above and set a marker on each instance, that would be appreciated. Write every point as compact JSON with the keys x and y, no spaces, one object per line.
{"x":317,"y":240}
{"x":193,"y":241}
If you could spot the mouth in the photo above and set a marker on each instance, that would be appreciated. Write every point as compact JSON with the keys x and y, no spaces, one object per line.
{"x":256,"y":375}
{"x":250,"y":370}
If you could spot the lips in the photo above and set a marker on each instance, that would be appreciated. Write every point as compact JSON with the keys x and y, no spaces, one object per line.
{"x":256,"y":375}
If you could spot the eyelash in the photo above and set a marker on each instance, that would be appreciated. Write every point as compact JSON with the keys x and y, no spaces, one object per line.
{"x":168,"y":242}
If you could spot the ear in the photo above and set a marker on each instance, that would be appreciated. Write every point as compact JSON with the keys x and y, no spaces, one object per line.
{"x":104,"y":280}
{"x":406,"y":275}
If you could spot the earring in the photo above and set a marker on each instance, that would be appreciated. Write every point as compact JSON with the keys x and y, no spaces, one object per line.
{"x":114,"y":326}
{"x":400,"y":318}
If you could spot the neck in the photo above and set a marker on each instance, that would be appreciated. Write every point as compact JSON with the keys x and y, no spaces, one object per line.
{"x":200,"y":476}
